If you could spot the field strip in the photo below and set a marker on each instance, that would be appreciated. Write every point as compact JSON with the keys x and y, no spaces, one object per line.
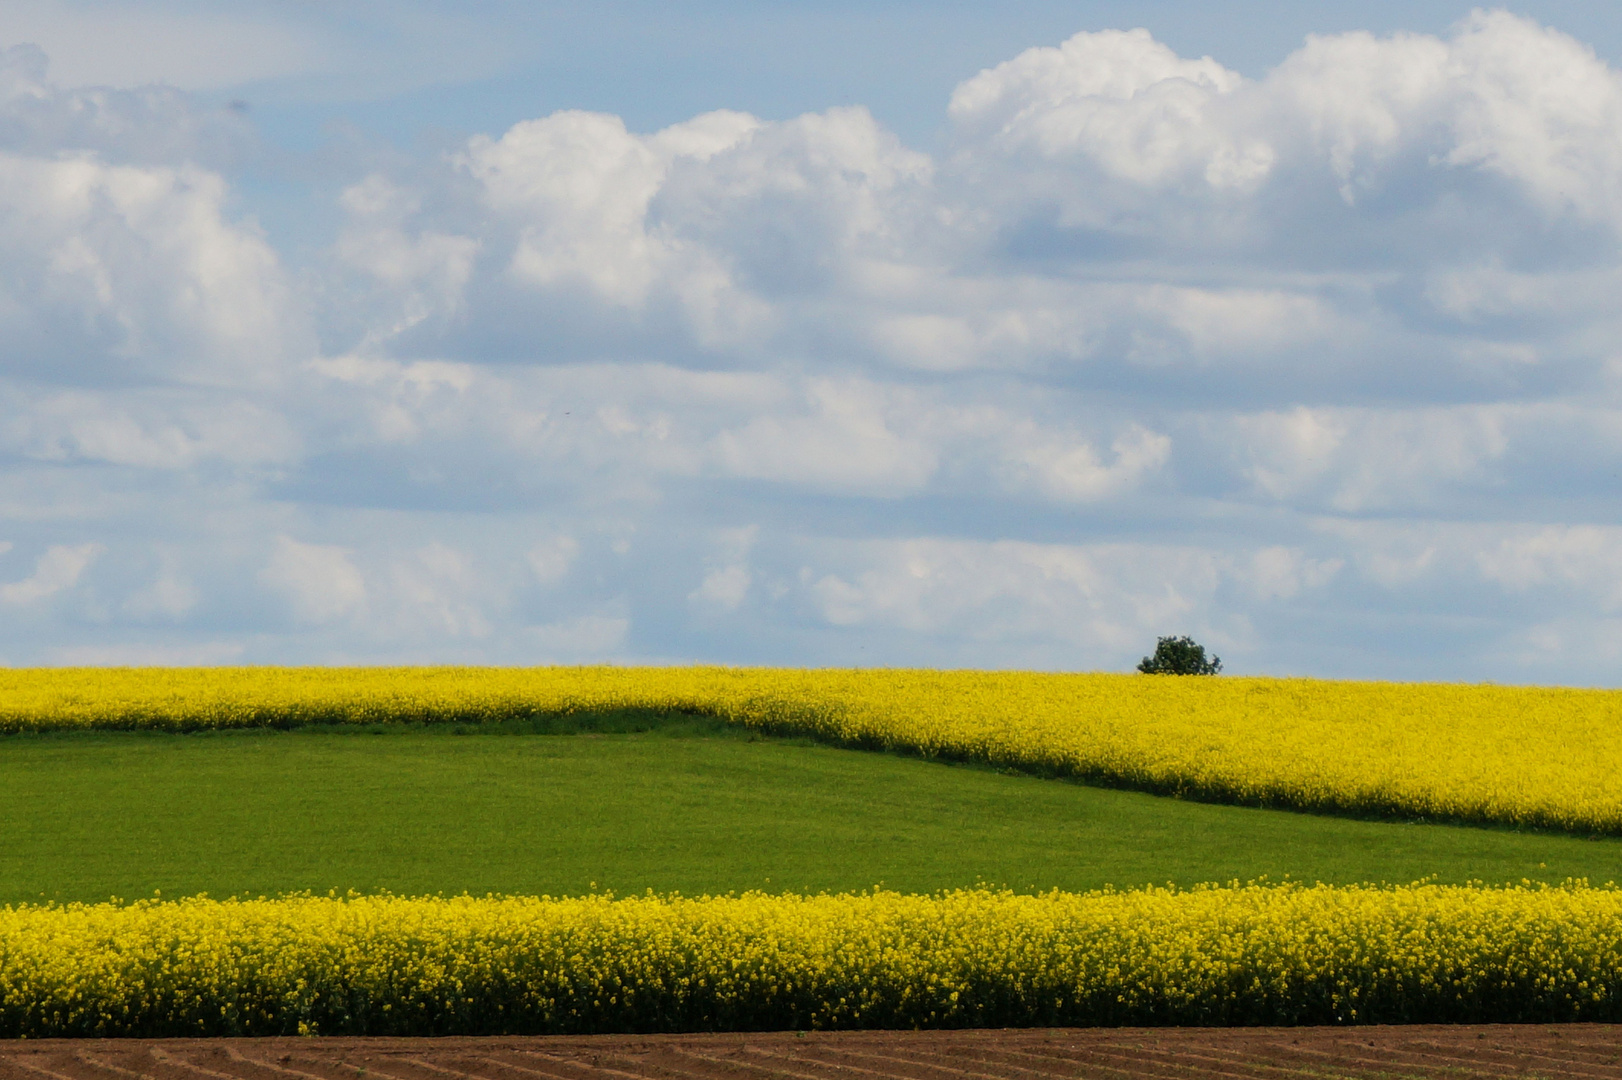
{"x":1553,"y":1052}
{"x":1527,"y":757}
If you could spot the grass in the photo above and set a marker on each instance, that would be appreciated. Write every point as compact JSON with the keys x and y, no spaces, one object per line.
{"x":633,"y":803}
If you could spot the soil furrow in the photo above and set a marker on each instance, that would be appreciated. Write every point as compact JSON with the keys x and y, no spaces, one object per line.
{"x":1515,"y":1064}
{"x":226,"y":1062}
{"x":1276,"y":1061}
{"x":1078,"y":1065}
{"x":1210,"y":1060}
{"x":567,"y":1068}
{"x":31,"y":1070}
{"x":1374,"y":1060}
{"x":990,"y":1064}
{"x":1570,"y":1060}
{"x":529,"y":1070}
{"x":885,"y":1064}
{"x":1141,"y":1055}
{"x":740,"y":1068}
{"x":669,"y":1062}
{"x":1233,"y":1062}
{"x":1072,"y":1074}
{"x":470,"y":1066}
{"x":396,"y":1067}
{"x":1556,"y":1052}
{"x":602,"y":1064}
{"x":806,"y":1060}
{"x":138,"y":1063}
{"x":297,"y":1062}
{"x":1136,"y":1062}
{"x":167,"y":1057}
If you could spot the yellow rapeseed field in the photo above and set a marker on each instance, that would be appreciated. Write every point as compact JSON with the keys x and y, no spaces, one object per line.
{"x":1235,"y":955}
{"x":1511,"y":755}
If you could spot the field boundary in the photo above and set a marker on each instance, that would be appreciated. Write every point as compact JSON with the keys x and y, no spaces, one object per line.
{"x":1549,"y":1051}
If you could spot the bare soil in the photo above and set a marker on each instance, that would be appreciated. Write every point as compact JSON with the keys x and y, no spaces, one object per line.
{"x":1577,"y":1050}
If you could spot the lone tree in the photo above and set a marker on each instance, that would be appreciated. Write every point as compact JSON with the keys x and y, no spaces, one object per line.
{"x":1179,"y":656}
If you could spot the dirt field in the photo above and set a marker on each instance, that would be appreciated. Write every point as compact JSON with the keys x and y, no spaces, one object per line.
{"x":1260,"y":1053}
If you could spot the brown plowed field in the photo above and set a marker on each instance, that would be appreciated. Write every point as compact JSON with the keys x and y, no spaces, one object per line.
{"x":1117,"y":1054}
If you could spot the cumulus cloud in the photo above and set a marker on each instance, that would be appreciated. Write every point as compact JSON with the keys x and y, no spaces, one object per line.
{"x":551,"y":560}
{"x":146,"y":429}
{"x":1360,"y":459}
{"x":59,"y":568}
{"x":1282,"y":573}
{"x":1120,"y":101}
{"x":434,"y":588}
{"x":152,"y":124}
{"x":589,"y":637}
{"x":578,"y":187}
{"x":723,"y":588}
{"x":1106,"y":596}
{"x":1320,"y":366}
{"x":319,"y":580}
{"x":1188,"y":193}
{"x":1584,"y":560}
{"x":171,"y":596}
{"x":122,"y":260}
{"x":727,"y":582}
{"x":843,"y":442}
{"x":120,"y":271}
{"x":1070,"y":470}
{"x":1502,"y":96}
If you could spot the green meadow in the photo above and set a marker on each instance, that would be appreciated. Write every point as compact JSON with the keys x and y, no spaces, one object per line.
{"x":627,"y":804}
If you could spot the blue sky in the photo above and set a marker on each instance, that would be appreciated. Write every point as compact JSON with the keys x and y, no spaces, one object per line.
{"x":945,"y":334}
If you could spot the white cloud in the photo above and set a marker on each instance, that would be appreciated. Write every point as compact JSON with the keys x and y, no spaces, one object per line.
{"x":171,"y":596}
{"x":551,"y":560}
{"x":1584,"y":559}
{"x":1360,"y":459}
{"x":58,"y":569}
{"x":123,"y":260}
{"x":578,"y":186}
{"x":435,"y":590}
{"x":153,"y":125}
{"x":147,"y":430}
{"x":1318,"y":366}
{"x":1213,"y":322}
{"x":428,"y":270}
{"x":1542,"y":109}
{"x":726,"y":586}
{"x":1071,"y":471}
{"x":1106,"y":596}
{"x":118,"y":271}
{"x":1186,"y":192}
{"x":843,"y":442}
{"x":723,"y":589}
{"x":1121,"y":101}
{"x":319,"y":580}
{"x":587,"y":638}
{"x":1281,"y":573}
{"x":711,"y":229}
{"x":1503,"y":95}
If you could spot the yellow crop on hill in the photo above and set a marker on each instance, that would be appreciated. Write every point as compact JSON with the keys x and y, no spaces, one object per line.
{"x":1513,"y":755}
{"x":1237,"y":955}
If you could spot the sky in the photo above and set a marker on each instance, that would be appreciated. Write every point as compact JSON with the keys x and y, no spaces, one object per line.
{"x":813,"y":334}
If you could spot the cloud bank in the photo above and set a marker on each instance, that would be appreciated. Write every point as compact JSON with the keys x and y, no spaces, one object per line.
{"x":1322,"y":368}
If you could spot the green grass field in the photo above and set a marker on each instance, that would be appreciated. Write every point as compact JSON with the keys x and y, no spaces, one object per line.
{"x":689,"y":808}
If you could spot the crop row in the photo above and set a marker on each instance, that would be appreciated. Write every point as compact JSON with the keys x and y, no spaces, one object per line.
{"x":1520,"y":756}
{"x":1210,"y":956}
